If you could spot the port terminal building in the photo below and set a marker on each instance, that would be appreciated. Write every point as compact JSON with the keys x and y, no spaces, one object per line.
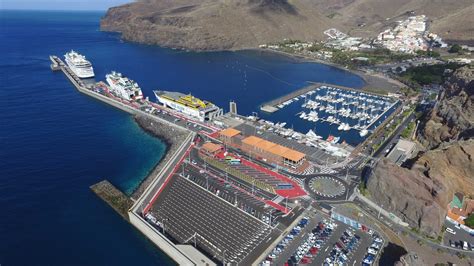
{"x":264,"y":150}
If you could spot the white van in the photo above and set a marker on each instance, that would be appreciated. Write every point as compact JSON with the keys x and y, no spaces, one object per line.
{"x":451,"y":231}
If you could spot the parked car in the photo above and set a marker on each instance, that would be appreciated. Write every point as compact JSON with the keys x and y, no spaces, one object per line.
{"x":450,"y":230}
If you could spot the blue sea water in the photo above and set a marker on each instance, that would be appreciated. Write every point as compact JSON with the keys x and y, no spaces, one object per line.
{"x":56,"y":142}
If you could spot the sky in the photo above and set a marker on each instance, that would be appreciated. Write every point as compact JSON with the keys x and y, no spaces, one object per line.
{"x":61,"y":4}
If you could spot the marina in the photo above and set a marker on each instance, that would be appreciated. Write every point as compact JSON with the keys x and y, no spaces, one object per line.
{"x":334,"y":113}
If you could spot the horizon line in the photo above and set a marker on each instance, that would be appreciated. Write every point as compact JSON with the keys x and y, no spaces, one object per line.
{"x":32,"y":9}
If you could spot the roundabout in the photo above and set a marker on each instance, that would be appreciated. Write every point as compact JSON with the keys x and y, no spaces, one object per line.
{"x":326,"y":187}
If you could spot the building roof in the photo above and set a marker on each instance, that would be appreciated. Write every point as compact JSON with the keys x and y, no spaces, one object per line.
{"x":273,"y":148}
{"x":402,"y":151}
{"x":279,"y":150}
{"x":229,"y":132}
{"x":457,"y":201}
{"x":294,"y":155}
{"x":405,"y":145}
{"x":265,"y":145}
{"x":455,"y":217}
{"x":211,"y":147}
{"x":252,"y":140}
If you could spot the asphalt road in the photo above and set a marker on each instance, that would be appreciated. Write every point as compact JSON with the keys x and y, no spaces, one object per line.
{"x":391,"y":140}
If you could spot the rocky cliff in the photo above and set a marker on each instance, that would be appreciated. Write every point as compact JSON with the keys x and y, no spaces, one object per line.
{"x":240,"y":24}
{"x":453,"y":116}
{"x":421,"y":191}
{"x":420,"y":194}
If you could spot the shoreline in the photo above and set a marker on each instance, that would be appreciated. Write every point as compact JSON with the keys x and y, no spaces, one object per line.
{"x":368,"y":78}
{"x":163,"y":133}
{"x":372,"y":80}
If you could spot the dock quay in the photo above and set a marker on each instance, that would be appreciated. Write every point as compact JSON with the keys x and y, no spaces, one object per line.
{"x":271,"y":106}
{"x":133,"y":210}
{"x":383,"y":113}
{"x":89,"y":89}
{"x":113,"y":197}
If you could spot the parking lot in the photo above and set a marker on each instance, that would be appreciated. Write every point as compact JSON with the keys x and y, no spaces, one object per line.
{"x":239,"y":198}
{"x":321,"y":241}
{"x":454,"y":236}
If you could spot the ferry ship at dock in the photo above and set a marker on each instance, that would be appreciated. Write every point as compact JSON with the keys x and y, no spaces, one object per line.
{"x":188,"y":104}
{"x":124,"y":87}
{"x":79,"y":64}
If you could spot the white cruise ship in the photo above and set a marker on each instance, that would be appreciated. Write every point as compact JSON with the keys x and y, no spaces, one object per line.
{"x":79,"y":64}
{"x":124,"y":87}
{"x":189,"y":105}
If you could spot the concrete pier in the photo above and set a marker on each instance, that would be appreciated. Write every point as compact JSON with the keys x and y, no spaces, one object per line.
{"x":132,"y":211}
{"x":114,"y":197}
{"x":271,"y":106}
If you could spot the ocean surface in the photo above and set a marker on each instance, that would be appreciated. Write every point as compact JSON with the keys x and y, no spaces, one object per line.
{"x":56,"y":142}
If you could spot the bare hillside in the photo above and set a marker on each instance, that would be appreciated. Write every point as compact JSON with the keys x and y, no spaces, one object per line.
{"x":452,"y":19}
{"x":239,"y":24}
{"x":216,"y":24}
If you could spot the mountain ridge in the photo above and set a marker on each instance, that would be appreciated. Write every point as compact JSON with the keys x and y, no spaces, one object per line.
{"x":244,"y":24}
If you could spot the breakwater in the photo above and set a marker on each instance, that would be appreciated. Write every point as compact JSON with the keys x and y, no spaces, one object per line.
{"x":173,"y":137}
{"x":113,"y":197}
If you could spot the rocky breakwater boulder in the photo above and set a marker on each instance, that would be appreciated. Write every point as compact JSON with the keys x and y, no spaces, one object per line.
{"x":453,"y":116}
{"x":172,"y":136}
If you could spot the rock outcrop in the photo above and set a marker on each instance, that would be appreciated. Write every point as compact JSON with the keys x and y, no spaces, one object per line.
{"x":420,"y":194}
{"x":421,"y":191}
{"x":410,"y":259}
{"x":453,"y":116}
{"x":240,"y":24}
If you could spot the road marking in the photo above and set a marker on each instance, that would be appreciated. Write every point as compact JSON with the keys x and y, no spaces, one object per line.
{"x":326,"y":249}
{"x":354,"y":262}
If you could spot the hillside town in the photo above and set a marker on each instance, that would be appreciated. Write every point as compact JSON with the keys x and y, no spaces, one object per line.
{"x":409,"y":38}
